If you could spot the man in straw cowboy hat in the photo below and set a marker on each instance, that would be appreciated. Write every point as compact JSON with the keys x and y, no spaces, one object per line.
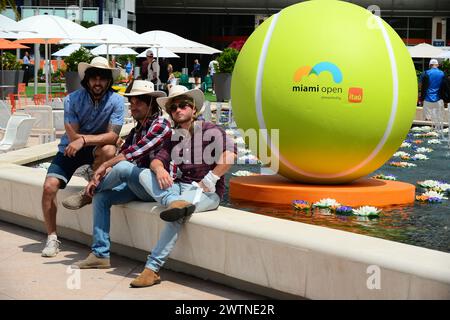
{"x":93,"y":118}
{"x":121,"y":183}
{"x":203,"y":156}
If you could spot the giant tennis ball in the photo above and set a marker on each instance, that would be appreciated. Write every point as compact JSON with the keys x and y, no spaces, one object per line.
{"x":338,"y":83}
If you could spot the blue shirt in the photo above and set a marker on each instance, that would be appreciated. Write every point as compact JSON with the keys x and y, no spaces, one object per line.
{"x":435,"y":77}
{"x":92,"y":118}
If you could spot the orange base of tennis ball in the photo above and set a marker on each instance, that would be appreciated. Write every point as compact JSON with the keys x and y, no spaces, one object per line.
{"x":278,"y":190}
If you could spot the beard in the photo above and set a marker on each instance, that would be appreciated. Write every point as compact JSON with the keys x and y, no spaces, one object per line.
{"x":97,"y":91}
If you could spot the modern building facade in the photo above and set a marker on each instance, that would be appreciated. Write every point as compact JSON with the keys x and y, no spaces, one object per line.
{"x":219,"y":22}
{"x":118,"y":12}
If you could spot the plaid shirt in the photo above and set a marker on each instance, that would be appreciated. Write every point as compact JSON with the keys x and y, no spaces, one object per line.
{"x":191,"y":150}
{"x":145,"y":140}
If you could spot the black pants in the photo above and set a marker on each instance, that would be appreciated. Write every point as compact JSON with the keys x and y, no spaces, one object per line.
{"x":26,"y":74}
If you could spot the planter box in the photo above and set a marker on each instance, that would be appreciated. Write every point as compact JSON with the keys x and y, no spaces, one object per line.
{"x":73,"y":81}
{"x":11,"y":77}
{"x":222,"y":83}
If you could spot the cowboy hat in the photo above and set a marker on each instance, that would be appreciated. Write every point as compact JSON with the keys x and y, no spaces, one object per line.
{"x":141,"y":87}
{"x":178,"y":90}
{"x":97,"y":62}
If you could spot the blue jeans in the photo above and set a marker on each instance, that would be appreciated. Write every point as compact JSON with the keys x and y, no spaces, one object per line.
{"x":178,"y":191}
{"x":122,"y":185}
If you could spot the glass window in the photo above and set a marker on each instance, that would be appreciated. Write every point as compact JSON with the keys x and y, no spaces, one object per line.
{"x":46,"y":11}
{"x":90,"y":15}
{"x":27,"y":13}
{"x":60,"y":12}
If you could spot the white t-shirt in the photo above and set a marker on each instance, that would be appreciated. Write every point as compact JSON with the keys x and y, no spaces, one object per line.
{"x":212,"y":67}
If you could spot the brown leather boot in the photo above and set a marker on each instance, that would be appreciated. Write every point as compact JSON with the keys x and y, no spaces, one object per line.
{"x":176,"y":210}
{"x":146,"y":279}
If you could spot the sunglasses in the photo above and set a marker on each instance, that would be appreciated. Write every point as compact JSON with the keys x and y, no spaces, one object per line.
{"x":182,"y":105}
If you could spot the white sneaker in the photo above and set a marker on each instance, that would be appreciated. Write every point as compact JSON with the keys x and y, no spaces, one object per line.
{"x":51,"y":248}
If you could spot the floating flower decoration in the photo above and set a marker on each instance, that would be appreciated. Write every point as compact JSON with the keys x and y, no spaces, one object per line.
{"x":326,"y":203}
{"x":421,"y":129}
{"x":301,"y":205}
{"x":405,"y":157}
{"x":434,"y":141}
{"x":431,"y":196}
{"x":344,"y":210}
{"x":424,"y":150}
{"x":402,"y":164}
{"x":401,"y":154}
{"x":367,"y":211}
{"x":445,"y":130}
{"x":419,"y":156}
{"x":418,"y":141}
{"x":434,"y":185}
{"x":385,"y":177}
{"x":243,"y":173}
{"x":405,"y":145}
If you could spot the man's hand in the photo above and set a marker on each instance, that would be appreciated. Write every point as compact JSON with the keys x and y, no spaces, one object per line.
{"x":90,"y":188}
{"x":202,"y":185}
{"x":164,"y":179}
{"x":73,"y":147}
{"x":99,"y":174}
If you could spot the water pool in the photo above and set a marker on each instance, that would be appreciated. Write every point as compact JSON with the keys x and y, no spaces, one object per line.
{"x":420,"y":224}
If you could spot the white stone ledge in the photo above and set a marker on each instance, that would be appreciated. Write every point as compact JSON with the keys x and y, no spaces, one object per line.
{"x":295,"y":258}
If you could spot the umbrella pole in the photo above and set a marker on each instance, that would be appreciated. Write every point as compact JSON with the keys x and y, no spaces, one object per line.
{"x":157,"y":73}
{"x":37,"y":63}
{"x":46,"y":71}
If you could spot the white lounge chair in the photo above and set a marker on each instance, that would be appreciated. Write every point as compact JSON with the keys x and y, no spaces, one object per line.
{"x":17,"y":132}
{"x":43,"y":126}
{"x":5,"y":114}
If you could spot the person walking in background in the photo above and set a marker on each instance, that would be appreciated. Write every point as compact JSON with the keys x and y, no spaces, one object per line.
{"x":171,"y":81}
{"x":196,"y":73}
{"x":212,"y":66}
{"x":152,"y":69}
{"x":431,"y":81}
{"x":26,"y":67}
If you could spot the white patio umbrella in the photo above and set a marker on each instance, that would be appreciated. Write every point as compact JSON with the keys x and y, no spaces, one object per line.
{"x":49,"y":27}
{"x":425,"y":50}
{"x":113,"y":49}
{"x":445,"y":55}
{"x":175,"y":43}
{"x":160,"y":52}
{"x":67,"y":50}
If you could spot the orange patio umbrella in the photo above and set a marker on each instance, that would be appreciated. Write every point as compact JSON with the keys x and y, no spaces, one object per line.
{"x":6,"y":45}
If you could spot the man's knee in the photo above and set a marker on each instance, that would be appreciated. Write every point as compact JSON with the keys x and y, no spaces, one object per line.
{"x":105,"y":152}
{"x":51,"y":186}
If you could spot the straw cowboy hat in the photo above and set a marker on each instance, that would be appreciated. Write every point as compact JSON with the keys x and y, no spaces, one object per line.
{"x":97,"y":62}
{"x":141,"y":87}
{"x":175,"y":91}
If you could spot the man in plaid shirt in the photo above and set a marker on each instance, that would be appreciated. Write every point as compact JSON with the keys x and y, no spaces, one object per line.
{"x":203,"y":156}
{"x":117,"y":181}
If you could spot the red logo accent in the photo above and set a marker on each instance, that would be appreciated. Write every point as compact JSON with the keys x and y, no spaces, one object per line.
{"x":355,"y":95}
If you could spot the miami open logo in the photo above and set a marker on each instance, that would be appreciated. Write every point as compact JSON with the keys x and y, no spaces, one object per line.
{"x":333,"y":91}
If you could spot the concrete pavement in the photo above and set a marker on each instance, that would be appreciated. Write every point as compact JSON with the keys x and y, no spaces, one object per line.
{"x":24,"y":274}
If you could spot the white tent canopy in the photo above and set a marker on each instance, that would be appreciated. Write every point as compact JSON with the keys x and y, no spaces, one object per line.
{"x":160,"y":52}
{"x":176,"y":43}
{"x":445,"y":55}
{"x":51,"y":27}
{"x":425,"y":50}
{"x":113,"y":49}
{"x":67,"y":51}
{"x":114,"y":34}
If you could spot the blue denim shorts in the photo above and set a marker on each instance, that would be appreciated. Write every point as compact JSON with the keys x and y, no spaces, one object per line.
{"x":63,"y":167}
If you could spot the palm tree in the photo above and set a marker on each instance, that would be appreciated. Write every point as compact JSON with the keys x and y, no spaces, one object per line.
{"x":12,"y":4}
